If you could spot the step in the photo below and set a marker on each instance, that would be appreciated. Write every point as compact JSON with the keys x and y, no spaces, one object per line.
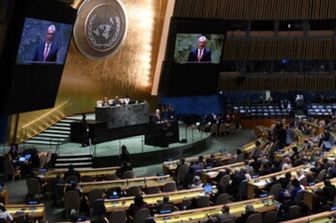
{"x":61,"y":124}
{"x":81,"y":155}
{"x":57,"y":132}
{"x":38,"y":142}
{"x":63,"y":165}
{"x":53,"y":135}
{"x":44,"y":138}
{"x":66,"y":120}
{"x":73,"y":159}
{"x":66,"y":128}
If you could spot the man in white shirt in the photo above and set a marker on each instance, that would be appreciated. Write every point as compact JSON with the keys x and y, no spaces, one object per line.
{"x":4,"y":214}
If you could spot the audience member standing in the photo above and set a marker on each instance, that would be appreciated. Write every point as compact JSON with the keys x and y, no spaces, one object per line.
{"x":125,"y":155}
{"x":85,"y":131}
{"x":72,"y":172}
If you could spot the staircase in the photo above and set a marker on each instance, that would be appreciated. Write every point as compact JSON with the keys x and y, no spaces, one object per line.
{"x":78,"y":161}
{"x":56,"y":134}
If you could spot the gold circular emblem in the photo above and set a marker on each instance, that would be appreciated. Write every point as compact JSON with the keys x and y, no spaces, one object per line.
{"x":100,"y":28}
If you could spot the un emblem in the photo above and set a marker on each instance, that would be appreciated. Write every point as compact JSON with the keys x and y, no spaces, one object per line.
{"x":100,"y":28}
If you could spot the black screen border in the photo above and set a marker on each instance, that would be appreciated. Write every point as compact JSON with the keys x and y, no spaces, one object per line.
{"x":200,"y":79}
{"x":37,"y":9}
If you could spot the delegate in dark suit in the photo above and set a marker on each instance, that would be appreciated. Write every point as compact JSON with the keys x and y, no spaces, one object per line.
{"x":50,"y":57}
{"x":205,"y":57}
{"x":47,"y":50}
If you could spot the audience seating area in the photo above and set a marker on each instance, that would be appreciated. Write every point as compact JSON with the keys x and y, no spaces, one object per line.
{"x":259,"y":111}
{"x":267,"y":180}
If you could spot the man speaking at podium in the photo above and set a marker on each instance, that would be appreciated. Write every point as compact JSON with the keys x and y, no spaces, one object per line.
{"x":47,"y":51}
{"x":156,"y":117}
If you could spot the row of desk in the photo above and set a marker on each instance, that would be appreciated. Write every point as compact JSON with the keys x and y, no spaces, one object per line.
{"x":310,"y":197}
{"x":261,"y":205}
{"x":262,"y":181}
{"x":91,"y":172}
{"x":170,"y":167}
{"x":323,"y":217}
{"x":124,"y":184}
{"x":37,"y":212}
{"x":176,"y":197}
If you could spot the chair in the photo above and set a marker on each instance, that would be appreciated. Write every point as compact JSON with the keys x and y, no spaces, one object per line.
{"x":219,"y":162}
{"x":223,"y":198}
{"x":169,"y":187}
{"x":270,"y":217}
{"x":112,"y":177}
{"x":242,"y":191}
{"x":133,"y":191}
{"x":321,"y":175}
{"x":9,"y":170}
{"x":203,"y":201}
{"x":226,"y":221}
{"x":86,"y":179}
{"x":93,"y":195}
{"x":334,"y":202}
{"x":34,"y":187}
{"x":240,"y":158}
{"x":254,"y":218}
{"x":141,"y":215}
{"x":71,"y":178}
{"x":118,"y":216}
{"x":298,"y":197}
{"x":58,"y":193}
{"x":98,"y":208}
{"x":19,"y":218}
{"x":275,"y":190}
{"x":293,"y":212}
{"x":224,"y":182}
{"x":152,"y":190}
{"x":71,"y":201}
{"x":128,"y":174}
{"x":186,"y":204}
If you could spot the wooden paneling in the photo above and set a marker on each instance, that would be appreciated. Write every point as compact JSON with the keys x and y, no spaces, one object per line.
{"x":280,"y":82}
{"x":256,"y":9}
{"x":312,"y":48}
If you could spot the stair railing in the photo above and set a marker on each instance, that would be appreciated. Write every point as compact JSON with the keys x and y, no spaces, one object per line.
{"x":43,"y":122}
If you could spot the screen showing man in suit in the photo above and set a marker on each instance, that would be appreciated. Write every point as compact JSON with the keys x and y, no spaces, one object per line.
{"x":198,"y":48}
{"x":201,"y":53}
{"x":47,"y":50}
{"x":43,"y":41}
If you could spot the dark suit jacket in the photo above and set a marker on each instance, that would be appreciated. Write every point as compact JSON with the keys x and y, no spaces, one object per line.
{"x":205,"y":58}
{"x":52,"y":56}
{"x":156,"y":118}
